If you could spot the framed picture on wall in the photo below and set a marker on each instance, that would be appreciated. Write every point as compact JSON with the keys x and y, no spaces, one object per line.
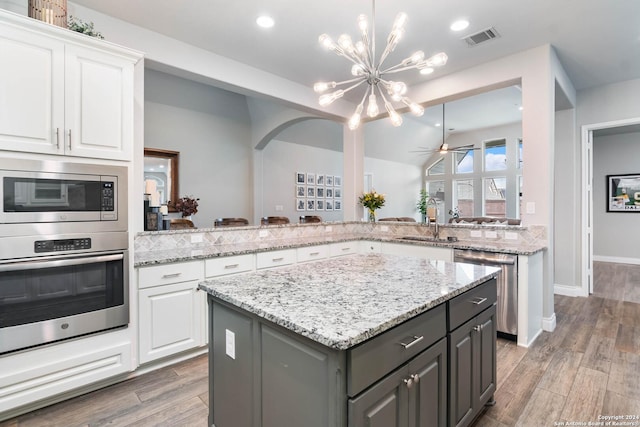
{"x":311,"y":191}
{"x":328,"y":193}
{"x":311,"y":205}
{"x":337,"y":192}
{"x":319,"y":179}
{"x":300,"y":204}
{"x":328,"y":180}
{"x":337,"y":205}
{"x":311,"y":178}
{"x":623,"y":193}
{"x":320,"y":192}
{"x":328,"y":206}
{"x":320,"y":205}
{"x":337,"y":181}
{"x":300,"y":191}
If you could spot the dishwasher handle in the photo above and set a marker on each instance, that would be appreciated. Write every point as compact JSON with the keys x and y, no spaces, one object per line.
{"x":477,"y":257}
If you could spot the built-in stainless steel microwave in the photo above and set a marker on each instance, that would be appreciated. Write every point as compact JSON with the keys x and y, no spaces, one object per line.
{"x":59,"y":197}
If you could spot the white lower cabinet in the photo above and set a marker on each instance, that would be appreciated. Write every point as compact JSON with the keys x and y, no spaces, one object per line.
{"x":172,"y":314}
{"x":53,"y":372}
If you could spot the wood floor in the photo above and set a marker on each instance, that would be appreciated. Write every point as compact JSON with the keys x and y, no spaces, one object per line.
{"x":588,"y":367}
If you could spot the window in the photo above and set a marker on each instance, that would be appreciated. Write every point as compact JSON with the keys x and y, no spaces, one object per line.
{"x":436,"y":189}
{"x":463,"y":197}
{"x":437,"y":168}
{"x":463,"y":162}
{"x":495,"y":197}
{"x":495,"y":155}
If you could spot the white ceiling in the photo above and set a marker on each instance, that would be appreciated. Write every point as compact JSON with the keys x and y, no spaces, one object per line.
{"x":597,"y":41}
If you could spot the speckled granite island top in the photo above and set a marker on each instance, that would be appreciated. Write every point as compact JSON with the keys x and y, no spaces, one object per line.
{"x":344,"y":301}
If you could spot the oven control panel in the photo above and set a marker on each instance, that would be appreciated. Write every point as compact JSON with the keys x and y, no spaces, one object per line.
{"x":61,"y":245}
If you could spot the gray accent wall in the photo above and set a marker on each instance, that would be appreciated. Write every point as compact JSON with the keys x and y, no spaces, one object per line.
{"x":211,"y":129}
{"x":615,"y":234}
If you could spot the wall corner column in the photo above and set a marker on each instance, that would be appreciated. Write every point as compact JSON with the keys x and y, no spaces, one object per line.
{"x":353,"y":172}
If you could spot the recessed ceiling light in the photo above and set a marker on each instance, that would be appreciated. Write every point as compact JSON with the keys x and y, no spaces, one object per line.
{"x":438,"y":125}
{"x":265,"y":21}
{"x":459,"y":25}
{"x":426,"y":71}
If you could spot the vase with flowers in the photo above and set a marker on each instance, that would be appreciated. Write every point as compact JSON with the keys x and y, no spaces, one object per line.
{"x":187,"y":205}
{"x":372,"y":201}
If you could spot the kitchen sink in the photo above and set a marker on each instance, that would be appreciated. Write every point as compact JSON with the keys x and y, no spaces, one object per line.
{"x":429,"y":239}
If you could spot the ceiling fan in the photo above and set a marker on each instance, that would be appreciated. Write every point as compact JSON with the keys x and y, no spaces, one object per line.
{"x":444,"y":147}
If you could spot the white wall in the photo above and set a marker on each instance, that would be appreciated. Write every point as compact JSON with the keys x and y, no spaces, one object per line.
{"x":211,"y":129}
{"x":615,"y":234}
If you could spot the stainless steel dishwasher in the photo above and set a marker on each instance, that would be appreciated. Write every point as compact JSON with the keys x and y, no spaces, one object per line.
{"x":507,"y":306}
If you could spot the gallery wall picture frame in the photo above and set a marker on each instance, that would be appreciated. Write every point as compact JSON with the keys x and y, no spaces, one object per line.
{"x":328,"y":206}
{"x":311,"y":178}
{"x":337,"y":205}
{"x":328,"y":181}
{"x":320,"y":192}
{"x":300,"y":204}
{"x":311,"y":204}
{"x":337,"y":193}
{"x":337,"y":181}
{"x":623,"y":193}
{"x":311,"y":191}
{"x":301,"y":178}
{"x":319,"y":179}
{"x":328,"y":193}
{"x":300,"y":191}
{"x":319,"y":205}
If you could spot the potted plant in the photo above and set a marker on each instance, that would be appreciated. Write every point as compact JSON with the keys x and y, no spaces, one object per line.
{"x":422,"y":204}
{"x":187,"y":205}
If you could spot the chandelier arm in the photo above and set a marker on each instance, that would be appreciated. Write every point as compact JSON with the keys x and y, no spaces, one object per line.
{"x":353,"y":86}
{"x":364,"y":97}
{"x":398,"y":70}
{"x":344,"y":82}
{"x":353,"y":59}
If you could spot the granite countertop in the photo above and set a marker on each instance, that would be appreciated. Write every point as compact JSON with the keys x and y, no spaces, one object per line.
{"x":344,"y":301}
{"x":145,"y":258}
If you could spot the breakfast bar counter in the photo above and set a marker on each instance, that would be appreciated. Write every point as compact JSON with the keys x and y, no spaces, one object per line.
{"x":312,"y":344}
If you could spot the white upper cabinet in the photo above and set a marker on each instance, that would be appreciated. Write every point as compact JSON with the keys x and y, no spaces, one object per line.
{"x":64,"y":93}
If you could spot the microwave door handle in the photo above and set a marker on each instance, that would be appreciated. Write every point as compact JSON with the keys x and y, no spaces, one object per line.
{"x":34,"y":265}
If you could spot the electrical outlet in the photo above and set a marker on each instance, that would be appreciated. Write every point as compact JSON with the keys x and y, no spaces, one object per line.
{"x":230,"y":344}
{"x":328,"y":229}
{"x":196,"y":238}
{"x":531,"y":207}
{"x":279,"y":208}
{"x":490,"y":234}
{"x":475,"y":233}
{"x":510,"y":235}
{"x":384,"y":228}
{"x":263,"y":233}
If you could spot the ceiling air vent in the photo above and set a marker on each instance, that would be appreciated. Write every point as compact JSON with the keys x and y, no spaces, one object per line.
{"x":481,"y":36}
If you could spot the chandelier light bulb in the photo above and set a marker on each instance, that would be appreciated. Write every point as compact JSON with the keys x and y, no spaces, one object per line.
{"x":354,"y":121}
{"x":416,"y":109}
{"x":345,"y":42}
{"x":437,"y":60}
{"x":372,"y":107}
{"x":330,"y":97}
{"x":327,"y":42}
{"x":400,"y":20}
{"x":396,"y":119}
{"x":323,"y":86}
{"x":363,"y":23}
{"x":426,"y":71}
{"x":358,"y":70}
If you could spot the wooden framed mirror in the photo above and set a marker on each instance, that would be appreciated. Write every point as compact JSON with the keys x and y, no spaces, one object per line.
{"x":162,"y":166}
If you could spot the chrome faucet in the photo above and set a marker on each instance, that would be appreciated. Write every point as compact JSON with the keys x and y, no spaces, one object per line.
{"x":434,"y":202}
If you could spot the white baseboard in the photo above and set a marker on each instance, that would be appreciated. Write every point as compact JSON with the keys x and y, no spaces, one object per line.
{"x":549,"y":323}
{"x":570,"y":291}
{"x":618,"y":260}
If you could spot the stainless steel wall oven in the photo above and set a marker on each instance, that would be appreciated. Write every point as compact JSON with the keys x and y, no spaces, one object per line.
{"x":64,"y":263}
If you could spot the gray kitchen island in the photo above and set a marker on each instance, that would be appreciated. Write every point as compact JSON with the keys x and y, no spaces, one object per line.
{"x":360,"y":340}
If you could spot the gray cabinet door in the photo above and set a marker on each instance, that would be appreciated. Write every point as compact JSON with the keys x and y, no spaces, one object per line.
{"x":487,"y":355}
{"x":384,"y":404}
{"x":428,"y":396}
{"x":232,"y":361}
{"x":461,"y":358}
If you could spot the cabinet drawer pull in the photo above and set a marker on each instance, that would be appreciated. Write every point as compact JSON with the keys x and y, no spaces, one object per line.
{"x":314,"y":254}
{"x":57,"y":137}
{"x":414,"y":341}
{"x":477,"y":300}
{"x":69,"y":139}
{"x":170,"y":275}
{"x":345,"y":249}
{"x":277,"y":259}
{"x":231,"y":266}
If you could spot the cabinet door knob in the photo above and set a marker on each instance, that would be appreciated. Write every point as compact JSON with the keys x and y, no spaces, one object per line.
{"x":408,"y":382}
{"x":416,"y":378}
{"x":477,"y":328}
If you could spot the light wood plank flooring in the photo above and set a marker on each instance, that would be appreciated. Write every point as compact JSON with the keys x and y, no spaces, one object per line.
{"x":589,"y":366}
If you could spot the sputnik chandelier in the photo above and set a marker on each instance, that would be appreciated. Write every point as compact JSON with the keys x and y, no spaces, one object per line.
{"x":365,"y":69}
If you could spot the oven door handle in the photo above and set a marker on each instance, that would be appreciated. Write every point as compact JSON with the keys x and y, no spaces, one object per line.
{"x":38,"y":264}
